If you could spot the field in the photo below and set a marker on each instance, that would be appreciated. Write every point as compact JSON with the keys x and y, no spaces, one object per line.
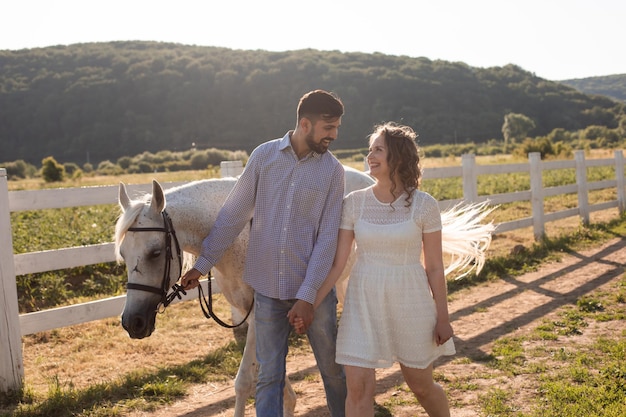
{"x":548,"y":342}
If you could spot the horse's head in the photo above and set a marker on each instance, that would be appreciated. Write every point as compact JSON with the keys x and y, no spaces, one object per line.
{"x":143,"y":240}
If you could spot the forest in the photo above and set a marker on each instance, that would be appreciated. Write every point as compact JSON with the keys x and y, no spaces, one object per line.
{"x":94,"y":102}
{"x":608,"y":85}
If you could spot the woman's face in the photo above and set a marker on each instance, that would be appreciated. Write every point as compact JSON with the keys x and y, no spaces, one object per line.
{"x":377,"y":157}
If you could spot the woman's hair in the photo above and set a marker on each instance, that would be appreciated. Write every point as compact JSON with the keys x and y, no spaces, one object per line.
{"x":402,"y":155}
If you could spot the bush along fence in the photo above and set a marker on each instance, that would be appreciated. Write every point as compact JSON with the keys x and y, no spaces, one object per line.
{"x":14,"y":325}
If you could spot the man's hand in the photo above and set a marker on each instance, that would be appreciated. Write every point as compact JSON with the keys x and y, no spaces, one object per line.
{"x":189,"y":280}
{"x":301,"y":316}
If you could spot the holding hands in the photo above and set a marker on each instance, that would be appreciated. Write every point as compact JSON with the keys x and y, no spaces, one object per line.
{"x":301,"y":316}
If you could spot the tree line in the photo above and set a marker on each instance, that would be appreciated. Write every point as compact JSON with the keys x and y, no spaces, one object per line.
{"x":97,"y":102}
{"x":559,"y":143}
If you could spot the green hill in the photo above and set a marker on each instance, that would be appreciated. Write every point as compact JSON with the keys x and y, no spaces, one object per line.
{"x":613,"y":86}
{"x":100,"y":101}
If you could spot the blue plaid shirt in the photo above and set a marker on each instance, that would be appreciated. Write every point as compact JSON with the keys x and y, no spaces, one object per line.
{"x":296,"y":206}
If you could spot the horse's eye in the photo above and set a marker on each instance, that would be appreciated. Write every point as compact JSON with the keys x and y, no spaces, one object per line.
{"x":155,"y":254}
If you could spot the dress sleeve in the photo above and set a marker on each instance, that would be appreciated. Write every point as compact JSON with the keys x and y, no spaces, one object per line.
{"x":429,"y":214}
{"x":347,"y":213}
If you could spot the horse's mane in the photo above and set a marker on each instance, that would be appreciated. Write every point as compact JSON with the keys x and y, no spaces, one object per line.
{"x":126,"y":219}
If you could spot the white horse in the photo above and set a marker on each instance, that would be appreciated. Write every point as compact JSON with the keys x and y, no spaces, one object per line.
{"x":185,"y":215}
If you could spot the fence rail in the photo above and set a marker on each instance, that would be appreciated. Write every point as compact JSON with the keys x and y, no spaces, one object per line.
{"x":14,"y":325}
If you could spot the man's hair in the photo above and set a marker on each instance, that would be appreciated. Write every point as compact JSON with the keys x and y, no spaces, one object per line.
{"x":320,"y":104}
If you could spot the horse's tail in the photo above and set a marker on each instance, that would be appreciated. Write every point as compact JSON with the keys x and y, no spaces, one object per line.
{"x":465,"y":238}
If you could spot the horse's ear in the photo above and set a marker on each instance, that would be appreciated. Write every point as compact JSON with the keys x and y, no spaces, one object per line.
{"x":122,"y":197}
{"x":158,"y":199}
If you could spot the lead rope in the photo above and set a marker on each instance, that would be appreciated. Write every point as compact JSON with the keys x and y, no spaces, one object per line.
{"x":207,"y":307}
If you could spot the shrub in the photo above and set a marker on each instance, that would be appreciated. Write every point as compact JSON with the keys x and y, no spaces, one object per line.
{"x":19,"y":169}
{"x":199,"y":160}
{"x":108,"y":168}
{"x":51,"y":170}
{"x":71,"y":168}
{"x":124,"y":162}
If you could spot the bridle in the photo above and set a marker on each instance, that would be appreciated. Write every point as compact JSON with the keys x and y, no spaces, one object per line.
{"x":177,"y":289}
{"x":168,"y":229}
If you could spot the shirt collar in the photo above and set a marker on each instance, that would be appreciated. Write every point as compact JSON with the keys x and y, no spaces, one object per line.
{"x":285,"y":142}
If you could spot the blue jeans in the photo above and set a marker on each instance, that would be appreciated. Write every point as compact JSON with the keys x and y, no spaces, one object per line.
{"x":272,"y":339}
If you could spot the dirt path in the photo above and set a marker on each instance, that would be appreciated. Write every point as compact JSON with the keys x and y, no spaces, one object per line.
{"x":480,"y":316}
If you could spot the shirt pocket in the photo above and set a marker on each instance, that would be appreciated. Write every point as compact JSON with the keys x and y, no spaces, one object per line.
{"x":309,"y":204}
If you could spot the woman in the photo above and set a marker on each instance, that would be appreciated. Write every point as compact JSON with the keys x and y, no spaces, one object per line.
{"x":396,"y":305}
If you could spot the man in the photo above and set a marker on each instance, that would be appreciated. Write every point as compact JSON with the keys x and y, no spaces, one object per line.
{"x":293,"y":189}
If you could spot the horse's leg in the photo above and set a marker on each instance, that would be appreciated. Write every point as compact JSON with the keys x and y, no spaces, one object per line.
{"x":245,"y":382}
{"x":240,"y":332}
{"x":289,"y":399}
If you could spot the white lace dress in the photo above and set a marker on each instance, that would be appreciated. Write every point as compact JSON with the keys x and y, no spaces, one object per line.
{"x":389,"y":313}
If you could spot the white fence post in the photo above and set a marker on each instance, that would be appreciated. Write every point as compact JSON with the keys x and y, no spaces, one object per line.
{"x":536,"y":195}
{"x":11,"y":362}
{"x":470,"y":181}
{"x":619,"y":177}
{"x":581,"y":180}
{"x":230,"y":168}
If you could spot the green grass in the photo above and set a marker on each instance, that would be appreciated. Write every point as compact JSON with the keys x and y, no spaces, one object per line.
{"x":496,"y":403}
{"x":136,"y":391}
{"x":577,"y":380}
{"x":590,"y":383}
{"x":39,"y":230}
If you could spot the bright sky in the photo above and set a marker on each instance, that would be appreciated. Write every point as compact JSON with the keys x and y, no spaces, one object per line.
{"x":555,"y":39}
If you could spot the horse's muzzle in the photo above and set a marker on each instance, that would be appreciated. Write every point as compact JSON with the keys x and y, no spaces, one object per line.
{"x":138,"y":326}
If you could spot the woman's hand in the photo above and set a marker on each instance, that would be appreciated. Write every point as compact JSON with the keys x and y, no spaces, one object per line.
{"x":443,"y":332}
{"x":301,"y":316}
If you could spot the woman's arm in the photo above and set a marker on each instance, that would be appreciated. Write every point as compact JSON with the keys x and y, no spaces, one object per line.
{"x":433,"y":264}
{"x":344,"y":248}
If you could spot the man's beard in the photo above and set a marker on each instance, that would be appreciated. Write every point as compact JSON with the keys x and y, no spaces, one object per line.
{"x":320,"y":147}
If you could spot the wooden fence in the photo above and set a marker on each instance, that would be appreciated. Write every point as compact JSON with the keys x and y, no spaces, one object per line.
{"x":14,"y":325}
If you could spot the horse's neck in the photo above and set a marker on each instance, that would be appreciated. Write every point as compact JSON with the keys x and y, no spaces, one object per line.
{"x":193,"y":212}
{"x":191,"y":225}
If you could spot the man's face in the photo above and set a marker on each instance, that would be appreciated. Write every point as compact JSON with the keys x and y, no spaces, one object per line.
{"x":322,"y":133}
